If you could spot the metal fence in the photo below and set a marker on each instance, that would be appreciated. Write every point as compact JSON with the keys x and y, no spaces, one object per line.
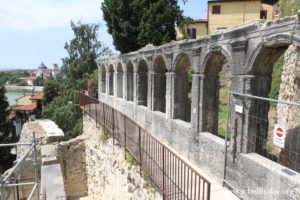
{"x":173,"y":177}
{"x":268,"y":127}
{"x":10,"y":183}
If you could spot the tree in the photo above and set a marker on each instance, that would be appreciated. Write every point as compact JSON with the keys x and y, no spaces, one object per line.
{"x":288,"y":7}
{"x":78,"y":67}
{"x":6,"y":158}
{"x":39,"y":81}
{"x":134,"y":24}
{"x":83,"y":51}
{"x":52,"y":89}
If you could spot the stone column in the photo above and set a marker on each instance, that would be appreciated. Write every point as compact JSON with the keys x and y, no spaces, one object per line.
{"x":115,"y":84}
{"x":150,"y":92}
{"x":169,"y":94}
{"x":125,"y":85}
{"x":196,"y":109}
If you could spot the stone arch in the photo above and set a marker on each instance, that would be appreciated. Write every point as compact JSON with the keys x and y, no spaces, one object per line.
{"x":129,"y":81}
{"x":182,"y":88}
{"x":110,"y":78}
{"x":159,"y":76}
{"x":214,"y":63}
{"x":142,"y":83}
{"x":260,"y":66}
{"x":119,"y":77}
{"x":102,"y":78}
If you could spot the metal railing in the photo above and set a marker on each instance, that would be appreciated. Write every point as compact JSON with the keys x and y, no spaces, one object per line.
{"x":10,"y":180}
{"x":173,"y":177}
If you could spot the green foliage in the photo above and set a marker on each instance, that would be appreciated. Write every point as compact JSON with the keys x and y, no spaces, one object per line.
{"x":62,"y":97}
{"x":67,"y":116}
{"x":289,"y":7}
{"x":52,"y":89}
{"x":134,"y":24}
{"x":131,"y":161}
{"x":83,"y":50}
{"x":6,"y":159}
{"x":276,"y":78}
{"x":39,"y":81}
{"x":104,"y":135}
{"x":12,"y":77}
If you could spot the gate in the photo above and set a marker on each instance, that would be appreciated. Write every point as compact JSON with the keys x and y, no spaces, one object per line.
{"x":266,"y":131}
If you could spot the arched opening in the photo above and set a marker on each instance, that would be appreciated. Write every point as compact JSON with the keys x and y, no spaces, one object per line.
{"x":215,"y":87}
{"x":159,"y":96}
{"x":110,"y":80}
{"x":119,"y":81}
{"x":264,"y":69}
{"x":182,"y":88}
{"x":130,"y":82}
{"x":276,"y":77}
{"x":142,"y":83}
{"x":103,"y":79}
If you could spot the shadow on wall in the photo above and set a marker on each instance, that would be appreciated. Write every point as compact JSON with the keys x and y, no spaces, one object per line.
{"x":290,"y":155}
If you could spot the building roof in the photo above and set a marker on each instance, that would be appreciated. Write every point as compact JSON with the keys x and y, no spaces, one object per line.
{"x":271,"y":2}
{"x":199,"y":21}
{"x":37,"y":96}
{"x":28,"y":107}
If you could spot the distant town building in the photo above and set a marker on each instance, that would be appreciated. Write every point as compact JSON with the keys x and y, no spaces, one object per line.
{"x":29,"y":105}
{"x":222,"y":14}
{"x":45,"y":73}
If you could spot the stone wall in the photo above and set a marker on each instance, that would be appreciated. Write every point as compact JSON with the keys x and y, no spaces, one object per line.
{"x":71,"y":155}
{"x":287,"y":115}
{"x":109,"y":176}
{"x":94,"y":168}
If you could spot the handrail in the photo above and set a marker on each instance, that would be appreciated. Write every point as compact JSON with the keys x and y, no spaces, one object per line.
{"x":173,"y":176}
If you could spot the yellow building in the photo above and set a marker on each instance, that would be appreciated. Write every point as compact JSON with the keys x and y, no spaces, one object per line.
{"x":193,"y":30}
{"x":227,"y":13}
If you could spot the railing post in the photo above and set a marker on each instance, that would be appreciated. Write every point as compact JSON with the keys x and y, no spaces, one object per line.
{"x":103,"y":114}
{"x":125,"y":135}
{"x":140,"y":150}
{"x":113,"y":125}
{"x":89,"y":104}
{"x":163,"y":169}
{"x":35,"y":164}
{"x":96,"y":105}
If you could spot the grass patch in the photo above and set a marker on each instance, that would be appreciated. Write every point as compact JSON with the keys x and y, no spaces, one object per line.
{"x":104,"y":135}
{"x":130,"y":160}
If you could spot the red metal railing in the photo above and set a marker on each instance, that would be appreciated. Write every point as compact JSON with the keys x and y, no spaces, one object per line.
{"x":173,"y":177}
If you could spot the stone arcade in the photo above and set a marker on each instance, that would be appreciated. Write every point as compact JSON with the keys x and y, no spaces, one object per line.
{"x":151,"y":86}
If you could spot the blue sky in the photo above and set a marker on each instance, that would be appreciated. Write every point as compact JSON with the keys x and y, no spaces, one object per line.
{"x":35,"y":31}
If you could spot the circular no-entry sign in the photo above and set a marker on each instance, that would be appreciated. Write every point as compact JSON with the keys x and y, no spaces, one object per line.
{"x":279,"y":132}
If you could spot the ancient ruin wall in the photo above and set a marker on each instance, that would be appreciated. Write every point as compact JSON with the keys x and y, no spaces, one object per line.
{"x":93,"y":167}
{"x":71,"y":155}
{"x":287,"y":115}
{"x":109,"y":175}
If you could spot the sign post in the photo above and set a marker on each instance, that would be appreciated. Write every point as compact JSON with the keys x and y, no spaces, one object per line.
{"x":279,"y":135}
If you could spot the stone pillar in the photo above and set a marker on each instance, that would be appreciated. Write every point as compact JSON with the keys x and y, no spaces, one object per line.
{"x":150,"y":93}
{"x":125,"y":85}
{"x":107,"y":82}
{"x":115,"y":84}
{"x":197,"y":94}
{"x":135,"y":80}
{"x":169,"y":94}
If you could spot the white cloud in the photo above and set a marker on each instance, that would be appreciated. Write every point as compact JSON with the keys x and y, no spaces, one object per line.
{"x":31,"y":15}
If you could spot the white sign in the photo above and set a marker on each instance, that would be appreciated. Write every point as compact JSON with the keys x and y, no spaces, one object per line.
{"x":279,"y":135}
{"x":238,"y":109}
